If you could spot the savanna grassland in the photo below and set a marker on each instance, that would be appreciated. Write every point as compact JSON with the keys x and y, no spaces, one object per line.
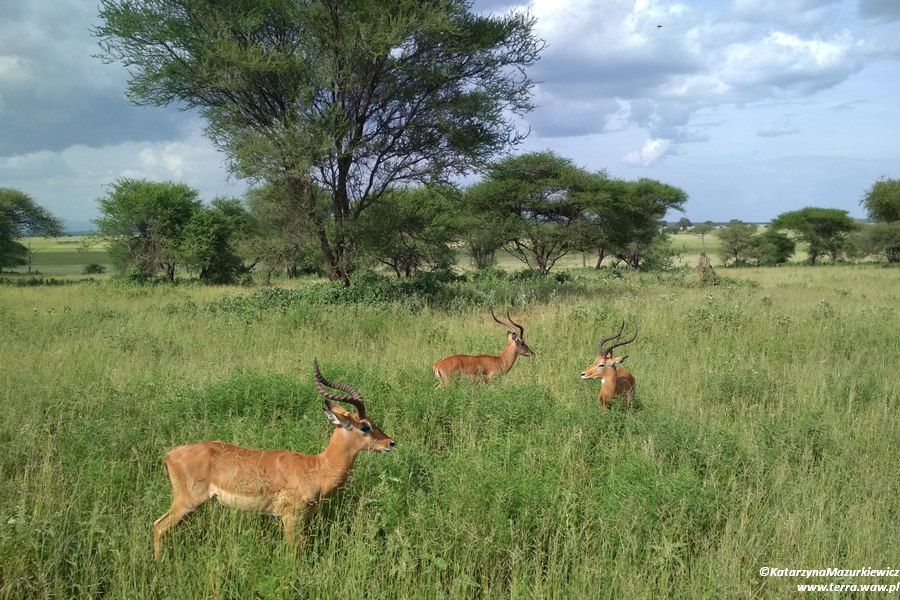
{"x":765,"y":434}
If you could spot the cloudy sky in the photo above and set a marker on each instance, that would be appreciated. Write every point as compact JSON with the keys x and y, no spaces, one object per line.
{"x":752,"y":106}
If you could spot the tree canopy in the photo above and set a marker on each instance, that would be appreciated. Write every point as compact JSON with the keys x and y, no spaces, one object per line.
{"x":145,"y":223}
{"x":21,"y":216}
{"x":351,"y":97}
{"x":882,"y":200}
{"x":823,"y":229}
{"x":534,"y":201}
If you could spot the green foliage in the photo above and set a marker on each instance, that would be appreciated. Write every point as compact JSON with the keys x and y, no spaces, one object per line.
{"x":144,"y":223}
{"x":284,"y":238}
{"x":879,"y":239}
{"x":534,"y":204}
{"x":20,"y":216}
{"x":823,"y":229}
{"x":741,"y":244}
{"x":771,"y":247}
{"x":353,"y":98}
{"x":882,"y":200}
{"x":210,"y":241}
{"x":636,"y":223}
{"x":737,"y":243}
{"x":684,"y":223}
{"x":411,"y":229}
{"x":93,"y":269}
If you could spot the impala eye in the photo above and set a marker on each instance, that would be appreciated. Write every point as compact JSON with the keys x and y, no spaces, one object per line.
{"x":365,"y":428}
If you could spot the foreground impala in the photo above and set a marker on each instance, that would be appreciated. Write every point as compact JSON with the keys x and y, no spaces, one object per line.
{"x":276,"y":482}
{"x":614,"y":381}
{"x":485,"y":366}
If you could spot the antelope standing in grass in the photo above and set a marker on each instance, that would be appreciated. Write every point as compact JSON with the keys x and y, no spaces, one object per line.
{"x":277,"y":482}
{"x":485,"y":366}
{"x":614,"y":381}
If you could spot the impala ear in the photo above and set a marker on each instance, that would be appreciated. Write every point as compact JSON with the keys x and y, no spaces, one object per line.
{"x":621,"y":360}
{"x":336,"y":419}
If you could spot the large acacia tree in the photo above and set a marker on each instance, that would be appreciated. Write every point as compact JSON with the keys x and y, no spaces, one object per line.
{"x":351,"y":96}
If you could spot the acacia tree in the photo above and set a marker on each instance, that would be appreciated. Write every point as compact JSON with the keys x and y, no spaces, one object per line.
{"x":411,"y":229}
{"x":145,"y":222}
{"x":882,"y":203}
{"x":823,"y":229}
{"x":737,"y":243}
{"x":480,"y":230}
{"x":701,"y":230}
{"x":605,"y":216}
{"x":211,"y":241}
{"x":350,"y":97}
{"x":535,"y":202}
{"x":647,"y":202}
{"x":21,"y":216}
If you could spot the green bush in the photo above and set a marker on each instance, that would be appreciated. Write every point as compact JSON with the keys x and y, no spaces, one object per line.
{"x":93,"y":269}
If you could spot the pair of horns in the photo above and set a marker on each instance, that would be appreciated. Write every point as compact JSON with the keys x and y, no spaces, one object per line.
{"x":615,"y":336}
{"x":519,"y":327}
{"x":322,"y":385}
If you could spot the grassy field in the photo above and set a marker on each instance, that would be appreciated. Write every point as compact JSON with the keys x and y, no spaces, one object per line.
{"x":64,"y":255}
{"x":766,"y":434}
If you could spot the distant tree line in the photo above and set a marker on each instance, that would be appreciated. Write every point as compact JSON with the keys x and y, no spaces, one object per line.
{"x":537,"y":207}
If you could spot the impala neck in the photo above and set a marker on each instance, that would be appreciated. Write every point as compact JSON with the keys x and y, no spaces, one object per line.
{"x":608,"y":387}
{"x":508,"y":356}
{"x":336,"y":461}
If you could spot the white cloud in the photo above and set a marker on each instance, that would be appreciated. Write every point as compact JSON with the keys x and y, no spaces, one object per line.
{"x":68,"y":181}
{"x":653,"y":151}
{"x":609,"y":58}
{"x":784,"y":127}
{"x":13,"y":68}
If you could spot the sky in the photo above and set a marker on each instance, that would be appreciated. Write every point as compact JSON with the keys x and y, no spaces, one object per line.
{"x":753,"y":107}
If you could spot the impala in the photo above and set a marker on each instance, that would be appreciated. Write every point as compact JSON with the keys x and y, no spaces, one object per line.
{"x":277,"y":482}
{"x":486,"y":366}
{"x":614,"y":381}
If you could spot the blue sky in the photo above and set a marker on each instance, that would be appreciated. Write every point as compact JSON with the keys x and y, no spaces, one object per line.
{"x":754,"y":107}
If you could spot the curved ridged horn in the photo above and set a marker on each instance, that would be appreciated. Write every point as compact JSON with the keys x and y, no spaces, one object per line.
{"x":628,"y":341}
{"x":499,"y":321}
{"x":609,"y":339}
{"x":521,"y":329}
{"x":355,"y":398}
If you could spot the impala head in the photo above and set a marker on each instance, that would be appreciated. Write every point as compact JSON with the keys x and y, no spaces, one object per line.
{"x":522,"y":349}
{"x":357,"y":424}
{"x":605,"y":364}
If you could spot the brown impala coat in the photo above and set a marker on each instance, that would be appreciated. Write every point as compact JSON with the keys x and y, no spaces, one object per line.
{"x":485,"y":366}
{"x":614,"y":380}
{"x":277,"y":482}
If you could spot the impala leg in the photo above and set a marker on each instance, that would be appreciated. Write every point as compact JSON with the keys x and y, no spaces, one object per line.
{"x":293,"y":521}
{"x":166,"y":522}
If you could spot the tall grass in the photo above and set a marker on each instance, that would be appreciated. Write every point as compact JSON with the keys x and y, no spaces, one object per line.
{"x":766,"y":435}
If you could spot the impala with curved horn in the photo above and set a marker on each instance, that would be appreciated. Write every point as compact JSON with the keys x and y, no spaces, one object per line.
{"x":486,"y":366}
{"x":283,"y":483}
{"x":614,"y":381}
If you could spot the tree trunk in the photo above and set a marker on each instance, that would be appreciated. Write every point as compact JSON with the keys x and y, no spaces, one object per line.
{"x":601,"y":254}
{"x":334,"y":254}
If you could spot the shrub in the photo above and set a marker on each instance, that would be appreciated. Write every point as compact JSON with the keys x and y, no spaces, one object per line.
{"x":93,"y":269}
